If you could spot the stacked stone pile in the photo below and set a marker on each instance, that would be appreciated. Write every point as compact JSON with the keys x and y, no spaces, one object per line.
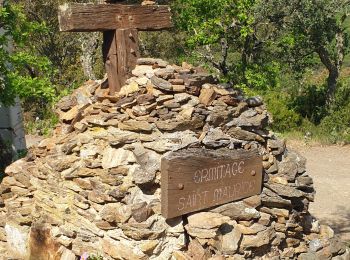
{"x":95,"y":185}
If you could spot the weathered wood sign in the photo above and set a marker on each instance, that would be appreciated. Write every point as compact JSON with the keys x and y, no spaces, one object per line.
{"x":120,"y":24}
{"x":196,"y":179}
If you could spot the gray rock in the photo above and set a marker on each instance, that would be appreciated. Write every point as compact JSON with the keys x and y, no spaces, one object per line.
{"x":149,"y":162}
{"x":151,"y":229}
{"x":258,"y":240}
{"x":172,"y":125}
{"x":115,"y":212}
{"x":254,"y":101}
{"x":120,"y":249}
{"x":161,"y":83}
{"x":134,"y":125}
{"x":276,"y":146}
{"x":140,"y":110}
{"x":237,"y":211}
{"x":120,"y":137}
{"x":205,"y":224}
{"x":141,"y":211}
{"x":182,"y":97}
{"x":288,"y":169}
{"x":304,"y":181}
{"x":207,"y":220}
{"x":142,"y":70}
{"x":250,"y":118}
{"x":251,"y":230}
{"x":315,"y":245}
{"x":116,"y":157}
{"x":307,"y":256}
{"x":285,"y":190}
{"x":230,"y":241}
{"x":151,"y":61}
{"x":67,"y":255}
{"x":141,"y":176}
{"x":299,"y":159}
{"x":271,"y":199}
{"x":165,"y":73}
{"x":240,"y":134}
{"x":273,"y":168}
{"x":173,"y":141}
{"x":216,"y":138}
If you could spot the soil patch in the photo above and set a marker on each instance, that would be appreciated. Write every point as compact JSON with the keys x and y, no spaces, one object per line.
{"x":330,"y":168}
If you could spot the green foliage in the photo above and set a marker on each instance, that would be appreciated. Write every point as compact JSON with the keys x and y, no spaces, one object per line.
{"x":284,"y":118}
{"x":218,"y":33}
{"x":209,"y":21}
{"x":95,"y":257}
{"x":310,"y":103}
{"x":167,"y":45}
{"x":336,"y":126}
{"x":306,"y":29}
{"x":337,"y":121}
{"x":5,"y":156}
{"x":263,"y":77}
{"x":22,"y":73}
{"x":42,"y":125}
{"x":63,"y":50}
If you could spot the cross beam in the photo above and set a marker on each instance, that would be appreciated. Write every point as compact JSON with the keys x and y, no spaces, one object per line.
{"x":104,"y":17}
{"x":120,"y":24}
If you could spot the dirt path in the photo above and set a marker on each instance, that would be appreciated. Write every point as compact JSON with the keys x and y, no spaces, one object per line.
{"x":330,"y":168}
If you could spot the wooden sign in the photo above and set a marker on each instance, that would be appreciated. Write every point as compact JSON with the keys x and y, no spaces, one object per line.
{"x":196,"y":179}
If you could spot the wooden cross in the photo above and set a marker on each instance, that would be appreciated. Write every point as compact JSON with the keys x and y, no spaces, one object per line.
{"x":120,"y":24}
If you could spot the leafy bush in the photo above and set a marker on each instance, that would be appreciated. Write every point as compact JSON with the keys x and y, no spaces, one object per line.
{"x":284,"y":118}
{"x":337,"y":125}
{"x":22,"y":73}
{"x":5,"y":156}
{"x":310,"y":103}
{"x":42,"y":125}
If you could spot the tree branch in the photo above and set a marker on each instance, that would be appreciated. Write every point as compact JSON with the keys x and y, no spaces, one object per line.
{"x":325,"y":57}
{"x":224,"y":54}
{"x":210,"y":58}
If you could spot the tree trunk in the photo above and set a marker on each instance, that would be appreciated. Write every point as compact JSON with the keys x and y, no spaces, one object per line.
{"x":332,"y":80}
{"x":333,"y":72}
{"x":89,"y":45}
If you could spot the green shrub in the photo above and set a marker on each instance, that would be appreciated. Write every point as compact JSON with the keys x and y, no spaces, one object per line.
{"x":284,"y":118}
{"x":23,"y":73}
{"x":310,"y":102}
{"x":5,"y":156}
{"x":337,"y":125}
{"x":42,"y":125}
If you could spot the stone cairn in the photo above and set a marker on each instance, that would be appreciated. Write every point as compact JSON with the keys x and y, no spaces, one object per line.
{"x":94,"y":187}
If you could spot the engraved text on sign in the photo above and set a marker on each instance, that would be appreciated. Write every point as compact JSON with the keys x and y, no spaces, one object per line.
{"x":196,"y":179}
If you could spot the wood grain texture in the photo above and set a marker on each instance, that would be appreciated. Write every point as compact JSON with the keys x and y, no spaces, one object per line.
{"x":127,"y":52}
{"x":120,"y":54}
{"x":110,"y":58}
{"x":104,"y":17}
{"x":196,"y":179}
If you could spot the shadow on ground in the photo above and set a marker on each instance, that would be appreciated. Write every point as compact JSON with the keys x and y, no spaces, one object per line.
{"x":339,"y":222}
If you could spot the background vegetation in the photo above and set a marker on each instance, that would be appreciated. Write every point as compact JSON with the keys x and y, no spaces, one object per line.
{"x":294,"y":55}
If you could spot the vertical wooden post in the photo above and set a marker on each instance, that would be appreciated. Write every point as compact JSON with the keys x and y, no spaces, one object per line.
{"x":127,"y":52}
{"x":111,"y":62}
{"x":120,"y":52}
